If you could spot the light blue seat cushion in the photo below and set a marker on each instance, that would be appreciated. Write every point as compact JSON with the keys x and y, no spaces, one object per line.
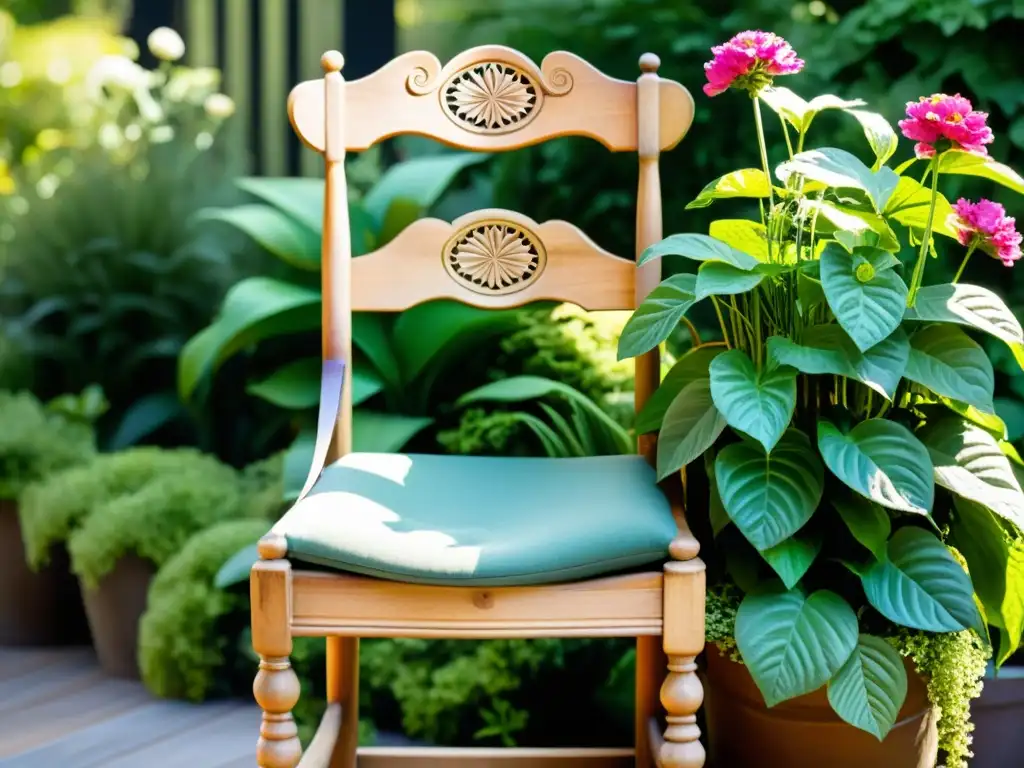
{"x":471,"y":520}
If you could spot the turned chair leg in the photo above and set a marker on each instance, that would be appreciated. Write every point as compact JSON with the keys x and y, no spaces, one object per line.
{"x":682,"y":693}
{"x":276,"y":688}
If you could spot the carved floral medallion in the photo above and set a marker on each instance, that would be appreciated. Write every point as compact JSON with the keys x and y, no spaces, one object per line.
{"x":491,"y":98}
{"x":494,"y":257}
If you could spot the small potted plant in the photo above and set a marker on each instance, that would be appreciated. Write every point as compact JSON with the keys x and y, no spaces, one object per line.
{"x":859,"y":508}
{"x":123,"y":516}
{"x":43,"y":607}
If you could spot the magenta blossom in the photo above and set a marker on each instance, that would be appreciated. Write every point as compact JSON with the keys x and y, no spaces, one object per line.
{"x":985,"y":225}
{"x":946,"y":122}
{"x":749,"y":61}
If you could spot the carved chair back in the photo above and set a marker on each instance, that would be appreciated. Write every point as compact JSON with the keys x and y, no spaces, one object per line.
{"x":489,"y":98}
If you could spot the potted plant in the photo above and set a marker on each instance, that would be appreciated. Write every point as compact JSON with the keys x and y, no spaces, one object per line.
{"x":859,"y":509}
{"x":123,"y":516}
{"x":42,"y":607}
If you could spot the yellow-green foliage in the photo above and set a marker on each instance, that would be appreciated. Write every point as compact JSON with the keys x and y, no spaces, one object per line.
{"x":35,"y":442}
{"x":145,"y":501}
{"x":182,"y":644}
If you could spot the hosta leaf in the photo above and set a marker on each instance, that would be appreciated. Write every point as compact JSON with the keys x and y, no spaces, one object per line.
{"x":715,"y":278}
{"x":921,"y":586}
{"x":839,"y":169}
{"x":870,"y":688}
{"x":698,"y":248}
{"x":793,"y":643}
{"x":973,"y":306}
{"x":968,"y":164}
{"x":868,"y":522}
{"x":969,"y":462}
{"x":867,"y":296}
{"x":827,"y":349}
{"x":657,"y":317}
{"x":770,"y":497}
{"x":690,"y":367}
{"x":691,"y":426}
{"x":996,"y":564}
{"x":760,"y":403}
{"x":793,"y":557}
{"x":882,"y":461}
{"x":951,"y":364}
{"x":744,"y":235}
{"x":748,"y":182}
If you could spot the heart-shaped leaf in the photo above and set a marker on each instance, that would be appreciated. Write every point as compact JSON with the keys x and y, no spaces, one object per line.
{"x":973,"y":306}
{"x":996,"y":564}
{"x":658,"y":316}
{"x":882,"y":461}
{"x":793,"y":644}
{"x":761,"y":403}
{"x":870,"y":688}
{"x":921,"y":586}
{"x":970,"y":463}
{"x":950,"y":363}
{"x":839,"y":169}
{"x":868,"y":522}
{"x":748,"y":182}
{"x":770,"y":497}
{"x":792,"y":558}
{"x":691,"y":426}
{"x":698,"y":248}
{"x":827,"y":349}
{"x":866,"y":295}
{"x":690,"y":367}
{"x":743,"y":234}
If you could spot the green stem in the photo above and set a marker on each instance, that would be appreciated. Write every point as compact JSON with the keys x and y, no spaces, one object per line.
{"x":918,"y":277}
{"x":963,"y":264}
{"x":785,"y":132}
{"x":721,"y":322}
{"x":764,"y":164}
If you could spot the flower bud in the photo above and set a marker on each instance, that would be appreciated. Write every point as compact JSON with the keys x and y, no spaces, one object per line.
{"x":219,"y":105}
{"x":166,"y":44}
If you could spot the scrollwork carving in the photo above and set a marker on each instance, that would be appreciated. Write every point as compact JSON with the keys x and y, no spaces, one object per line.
{"x":494,"y":257}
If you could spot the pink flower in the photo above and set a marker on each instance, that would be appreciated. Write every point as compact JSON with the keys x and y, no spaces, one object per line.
{"x":984,"y":224}
{"x":749,"y":61}
{"x":947,"y":121}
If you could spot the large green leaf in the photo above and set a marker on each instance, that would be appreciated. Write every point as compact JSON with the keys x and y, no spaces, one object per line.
{"x":799,"y":112}
{"x":371,"y":336}
{"x":870,"y":688}
{"x":996,"y":564}
{"x":968,"y":164}
{"x":421,"y":180}
{"x":839,"y":169}
{"x":867,"y":297}
{"x":715,"y":278}
{"x":910,"y":203}
{"x":374,"y":432}
{"x":301,"y":199}
{"x":691,"y":426}
{"x":770,"y":496}
{"x":748,"y":182}
{"x":287,"y":239}
{"x":827,"y":349}
{"x":973,"y":306}
{"x":717,"y":515}
{"x":792,"y":643}
{"x":793,"y":557}
{"x":882,"y":461}
{"x":969,"y":462}
{"x":869,"y":523}
{"x":742,"y":234}
{"x":759,"y":403}
{"x":950,"y":363}
{"x":844,"y":223}
{"x":690,"y":367}
{"x":880,"y":134}
{"x":254,"y":309}
{"x":658,"y":316}
{"x":297,"y":385}
{"x":920,"y":585}
{"x":698,"y":248}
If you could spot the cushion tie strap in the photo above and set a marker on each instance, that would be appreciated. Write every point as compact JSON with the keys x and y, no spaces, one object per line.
{"x":332,"y":382}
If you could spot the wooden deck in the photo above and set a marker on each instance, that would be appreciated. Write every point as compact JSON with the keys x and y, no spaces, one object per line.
{"x":57,"y":710}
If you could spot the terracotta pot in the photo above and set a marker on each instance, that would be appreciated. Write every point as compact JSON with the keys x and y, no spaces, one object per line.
{"x":997,"y":715}
{"x":36,"y":609}
{"x":805,"y":732}
{"x":114,"y":609}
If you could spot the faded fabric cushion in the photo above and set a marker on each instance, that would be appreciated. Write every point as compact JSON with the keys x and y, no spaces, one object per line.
{"x":471,"y":520}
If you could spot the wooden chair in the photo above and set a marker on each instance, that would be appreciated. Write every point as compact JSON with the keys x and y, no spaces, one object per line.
{"x":476,"y":547}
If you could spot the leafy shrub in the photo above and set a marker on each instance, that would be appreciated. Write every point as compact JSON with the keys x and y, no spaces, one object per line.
{"x":189,"y":626}
{"x":35,"y":442}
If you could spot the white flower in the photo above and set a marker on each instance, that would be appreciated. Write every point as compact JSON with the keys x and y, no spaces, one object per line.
{"x":166,"y":44}
{"x":219,"y":105}
{"x":118,"y":72}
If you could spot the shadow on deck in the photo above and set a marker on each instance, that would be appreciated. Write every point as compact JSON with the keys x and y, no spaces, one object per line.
{"x":57,"y":710}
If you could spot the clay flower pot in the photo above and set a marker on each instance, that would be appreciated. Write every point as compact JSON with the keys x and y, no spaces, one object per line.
{"x":36,"y":609}
{"x":804,"y":732}
{"x":114,"y":609}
